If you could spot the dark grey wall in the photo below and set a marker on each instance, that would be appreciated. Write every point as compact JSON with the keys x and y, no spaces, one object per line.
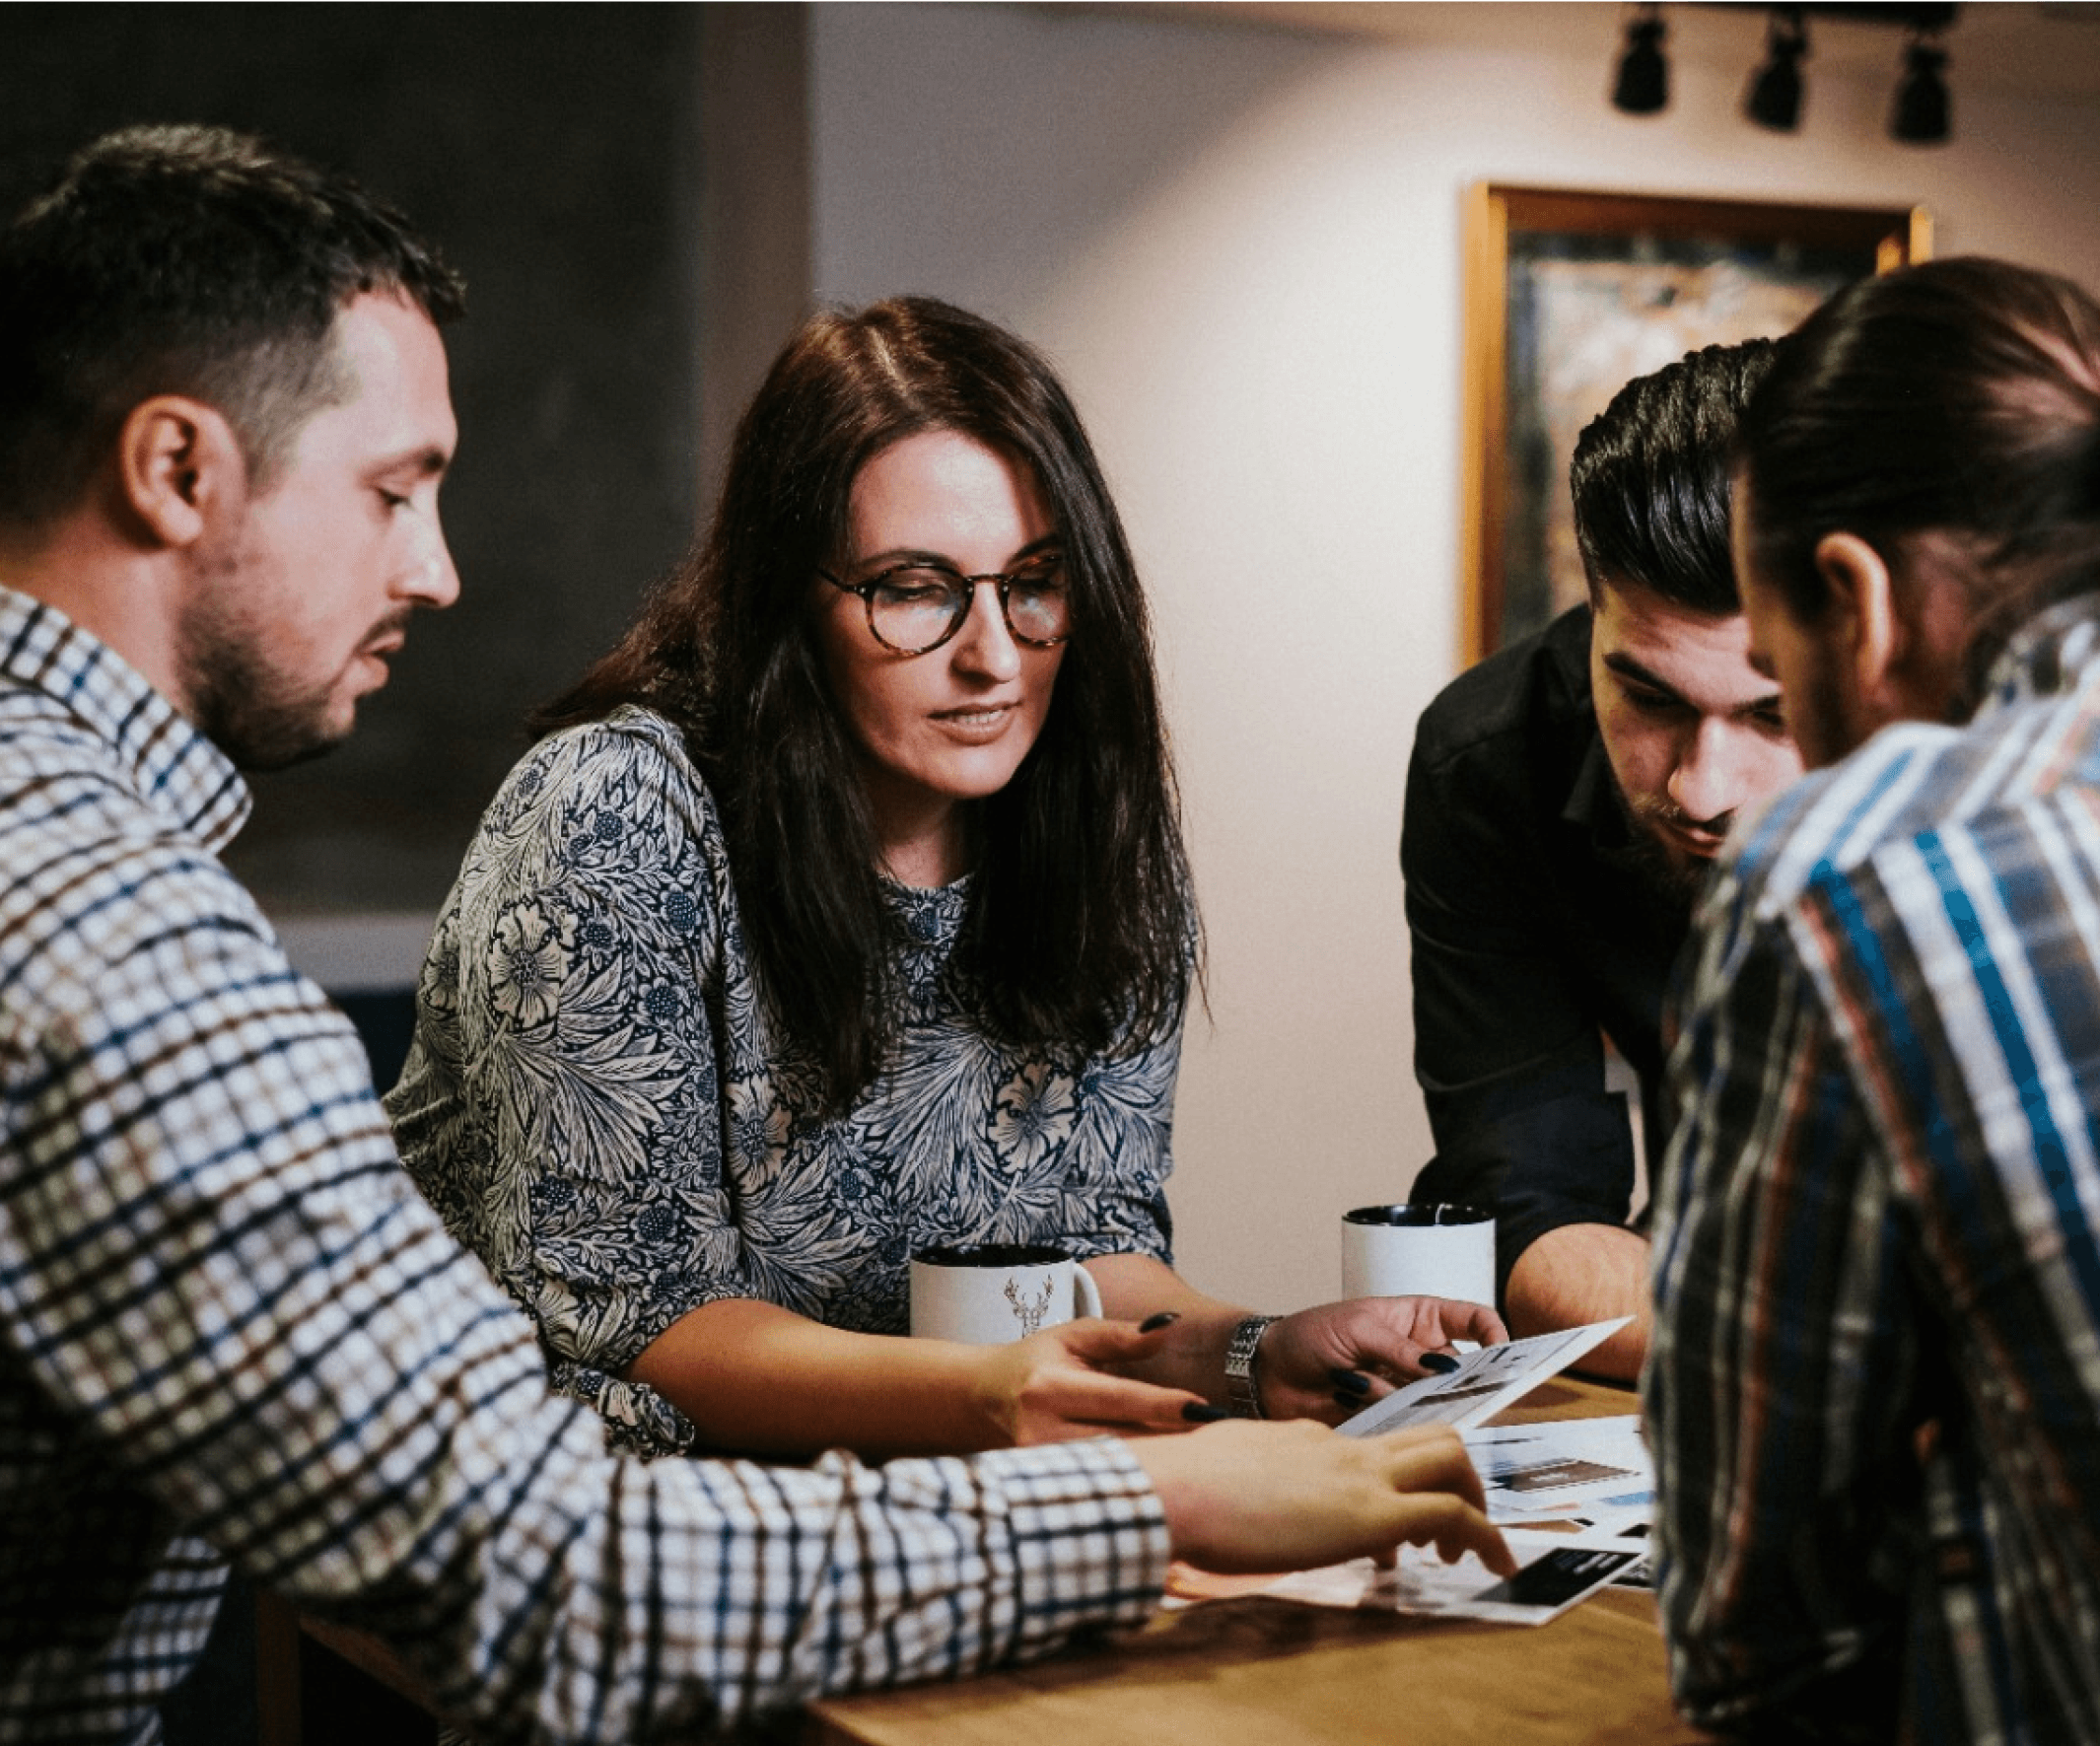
{"x":551,"y":150}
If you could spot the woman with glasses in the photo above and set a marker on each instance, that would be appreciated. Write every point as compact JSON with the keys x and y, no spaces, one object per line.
{"x":843,"y":911}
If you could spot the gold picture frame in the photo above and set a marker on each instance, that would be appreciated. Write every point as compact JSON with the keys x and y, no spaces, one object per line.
{"x":1602,"y":288}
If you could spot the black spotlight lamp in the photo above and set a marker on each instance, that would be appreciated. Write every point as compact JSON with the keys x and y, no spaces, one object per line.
{"x":1643,"y":82}
{"x":1922,"y":113}
{"x":1775,"y":96}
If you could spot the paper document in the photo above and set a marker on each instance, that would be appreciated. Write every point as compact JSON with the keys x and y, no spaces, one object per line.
{"x":1484,"y":1382}
{"x":1595,"y":1470}
{"x":1554,"y":1570}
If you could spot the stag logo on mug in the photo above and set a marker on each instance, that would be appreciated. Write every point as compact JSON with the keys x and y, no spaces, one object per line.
{"x":995,"y":1292}
{"x":1030,"y":1313}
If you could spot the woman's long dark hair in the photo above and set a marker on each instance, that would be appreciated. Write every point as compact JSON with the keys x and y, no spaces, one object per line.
{"x":1958,"y":397}
{"x":1081,"y":913}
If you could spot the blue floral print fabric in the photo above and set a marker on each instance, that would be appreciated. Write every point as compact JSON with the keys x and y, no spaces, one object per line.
{"x":597,"y":1101}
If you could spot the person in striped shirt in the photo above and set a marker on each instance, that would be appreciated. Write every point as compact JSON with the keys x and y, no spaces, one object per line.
{"x":1874,"y":1392}
{"x":230,"y":1330}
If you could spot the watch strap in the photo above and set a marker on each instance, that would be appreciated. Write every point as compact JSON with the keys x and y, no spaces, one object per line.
{"x":1242,"y":1352}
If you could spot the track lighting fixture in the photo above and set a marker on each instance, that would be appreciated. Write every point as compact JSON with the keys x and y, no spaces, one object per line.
{"x":1775,"y":96}
{"x":1643,"y":83}
{"x":1922,"y":112}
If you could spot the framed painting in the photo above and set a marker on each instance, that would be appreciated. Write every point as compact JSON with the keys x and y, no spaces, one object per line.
{"x":1568,"y":295}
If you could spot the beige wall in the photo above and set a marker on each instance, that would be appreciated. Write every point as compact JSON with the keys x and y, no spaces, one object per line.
{"x":1242,"y":246}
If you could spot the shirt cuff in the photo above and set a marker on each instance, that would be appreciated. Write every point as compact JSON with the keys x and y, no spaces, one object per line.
{"x":1565,"y":1161}
{"x":1089,"y":1536}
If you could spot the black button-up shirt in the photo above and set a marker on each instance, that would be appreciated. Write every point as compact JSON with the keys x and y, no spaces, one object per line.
{"x":1533,"y":938}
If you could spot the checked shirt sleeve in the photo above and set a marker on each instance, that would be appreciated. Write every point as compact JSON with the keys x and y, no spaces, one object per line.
{"x":1778,"y":1373}
{"x":215,"y":1278}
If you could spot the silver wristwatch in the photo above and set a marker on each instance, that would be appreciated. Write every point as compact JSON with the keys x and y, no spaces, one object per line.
{"x":1242,"y":1384}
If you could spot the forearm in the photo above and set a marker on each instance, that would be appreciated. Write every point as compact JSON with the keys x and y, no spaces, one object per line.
{"x":1191,"y":1354}
{"x":363,"y":1423}
{"x":762,"y":1380}
{"x":1325,"y":1361}
{"x":1577,"y":1274}
{"x":685,"y":1597}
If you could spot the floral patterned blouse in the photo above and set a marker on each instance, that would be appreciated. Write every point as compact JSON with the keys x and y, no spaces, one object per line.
{"x":597,"y":1104}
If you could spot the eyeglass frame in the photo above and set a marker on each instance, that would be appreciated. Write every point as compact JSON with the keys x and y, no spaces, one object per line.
{"x":1005,"y":580}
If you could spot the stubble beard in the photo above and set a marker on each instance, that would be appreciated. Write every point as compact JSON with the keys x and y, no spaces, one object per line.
{"x":237,"y":694}
{"x":241,"y":707}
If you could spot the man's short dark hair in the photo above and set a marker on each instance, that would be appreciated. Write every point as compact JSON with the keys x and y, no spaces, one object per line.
{"x":1650,"y":480}
{"x":185,"y":261}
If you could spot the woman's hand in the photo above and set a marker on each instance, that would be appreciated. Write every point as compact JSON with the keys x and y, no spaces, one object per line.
{"x":1051,"y":1387}
{"x":1334,"y":1359}
{"x":1248,"y":1496}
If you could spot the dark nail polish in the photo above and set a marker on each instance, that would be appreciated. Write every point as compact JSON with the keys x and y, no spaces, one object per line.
{"x":1165,"y":1318}
{"x":1201,"y":1411}
{"x":1349,"y":1403}
{"x":1350,"y":1381}
{"x":1440,"y":1361}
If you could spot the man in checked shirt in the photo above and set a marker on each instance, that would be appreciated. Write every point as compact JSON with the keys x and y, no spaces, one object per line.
{"x":1876,"y":1382}
{"x":230,"y":1329}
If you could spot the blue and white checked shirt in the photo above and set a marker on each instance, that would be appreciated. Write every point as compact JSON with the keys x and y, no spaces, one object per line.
{"x":1875,"y":1390}
{"x":230,"y":1328}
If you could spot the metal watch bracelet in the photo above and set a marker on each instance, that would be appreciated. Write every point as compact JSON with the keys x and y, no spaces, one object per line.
{"x":1241,"y":1379}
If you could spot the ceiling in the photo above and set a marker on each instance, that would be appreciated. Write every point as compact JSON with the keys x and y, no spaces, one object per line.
{"x":2040,"y":48}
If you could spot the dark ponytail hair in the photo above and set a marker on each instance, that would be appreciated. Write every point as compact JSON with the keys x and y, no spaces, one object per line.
{"x":1960,"y":397}
{"x":1080,"y":914}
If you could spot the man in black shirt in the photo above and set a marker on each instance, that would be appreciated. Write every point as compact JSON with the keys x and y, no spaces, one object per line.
{"x":1563,"y":801}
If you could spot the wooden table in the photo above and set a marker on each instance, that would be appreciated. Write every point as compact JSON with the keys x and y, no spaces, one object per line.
{"x":1257,"y":1671}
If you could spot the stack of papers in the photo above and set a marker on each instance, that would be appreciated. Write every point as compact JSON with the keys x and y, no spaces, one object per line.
{"x":1592,"y":1475}
{"x":1484,"y":1382}
{"x":1554,"y":1571}
{"x":1590,"y":1470}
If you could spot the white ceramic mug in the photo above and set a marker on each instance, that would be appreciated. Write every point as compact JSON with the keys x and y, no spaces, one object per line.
{"x":1419,"y":1249}
{"x":996,"y":1292}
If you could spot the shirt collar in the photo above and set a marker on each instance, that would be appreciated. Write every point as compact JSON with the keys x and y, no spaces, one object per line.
{"x":174,"y":768}
{"x":2049,"y":655}
{"x":1594,"y":805}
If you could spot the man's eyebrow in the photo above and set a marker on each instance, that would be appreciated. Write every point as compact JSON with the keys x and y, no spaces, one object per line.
{"x":1627,"y":668}
{"x":426,"y":461}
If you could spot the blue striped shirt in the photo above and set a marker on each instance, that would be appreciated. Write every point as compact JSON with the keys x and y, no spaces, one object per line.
{"x":1874,"y":1388}
{"x":231,"y":1329}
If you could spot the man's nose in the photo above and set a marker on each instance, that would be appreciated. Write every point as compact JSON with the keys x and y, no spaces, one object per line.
{"x":430,"y":578}
{"x":1709,"y":779}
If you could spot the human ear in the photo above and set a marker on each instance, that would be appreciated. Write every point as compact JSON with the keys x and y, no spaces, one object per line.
{"x":179,"y":463}
{"x":1861,"y":610}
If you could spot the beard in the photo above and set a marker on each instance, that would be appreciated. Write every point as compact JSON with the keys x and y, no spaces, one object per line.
{"x":1674,"y":876}
{"x":248,"y":714}
{"x":241,"y":697}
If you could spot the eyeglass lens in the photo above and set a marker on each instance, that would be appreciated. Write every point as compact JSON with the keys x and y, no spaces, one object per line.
{"x":921,"y":607}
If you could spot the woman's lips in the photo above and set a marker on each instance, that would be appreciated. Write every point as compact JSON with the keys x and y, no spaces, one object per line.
{"x":977,"y":721}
